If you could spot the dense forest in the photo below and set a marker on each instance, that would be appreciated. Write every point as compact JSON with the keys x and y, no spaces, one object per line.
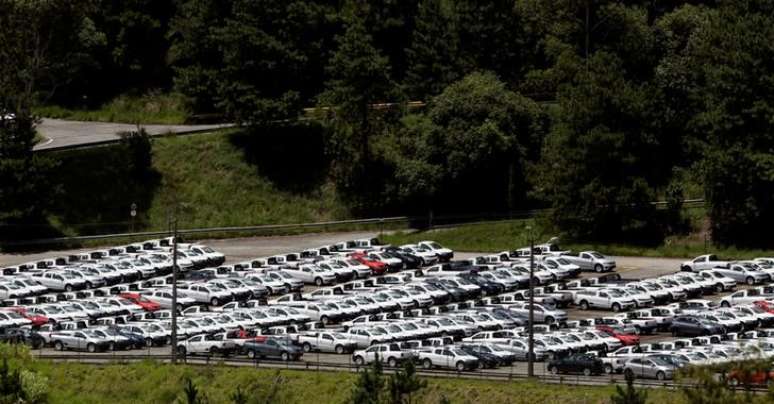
{"x":593,"y":108}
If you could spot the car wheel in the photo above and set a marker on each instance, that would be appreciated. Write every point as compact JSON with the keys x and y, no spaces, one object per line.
{"x":59,"y":346}
{"x":616,"y":307}
{"x":549,"y":320}
{"x":584,"y":305}
{"x":324,"y":320}
{"x":69,"y":287}
{"x":251,"y":354}
{"x":214,"y":350}
{"x":608,"y":368}
{"x":637,"y":330}
{"x":307,"y":347}
{"x":725,"y":303}
{"x":359,"y":361}
{"x":339,"y":349}
{"x":181,"y":350}
{"x":460,"y":366}
{"x":750,"y":280}
{"x":284,"y":356}
{"x":719,"y":288}
{"x":112,"y":346}
{"x":148,"y":342}
{"x":660,"y":375}
{"x":214,"y":301}
{"x":354,"y":275}
{"x":587,"y":372}
{"x":551,"y":355}
{"x":629,"y":373}
{"x":180,"y":307}
{"x":553,"y":370}
{"x":427,"y":364}
{"x":318,"y":281}
{"x":392,"y":362}
{"x":89,"y":285}
{"x":598,"y":268}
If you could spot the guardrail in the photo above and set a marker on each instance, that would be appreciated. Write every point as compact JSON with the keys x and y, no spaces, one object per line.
{"x":209,"y":360}
{"x":429,"y":221}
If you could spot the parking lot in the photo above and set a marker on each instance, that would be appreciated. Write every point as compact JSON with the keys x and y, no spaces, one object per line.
{"x":279,"y":298}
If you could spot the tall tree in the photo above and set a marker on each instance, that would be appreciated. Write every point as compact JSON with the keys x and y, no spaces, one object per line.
{"x":596,"y":166}
{"x":433,"y":58}
{"x":404,"y":383}
{"x":735,"y":90}
{"x":255,"y":61}
{"x":359,"y":79}
{"x":368,"y":386}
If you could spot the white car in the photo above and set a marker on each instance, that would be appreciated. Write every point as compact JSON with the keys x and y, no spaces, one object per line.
{"x":447,"y":357}
{"x":444,"y":254}
{"x":164,"y":298}
{"x":208,"y":294}
{"x":702,"y":262}
{"x":722,"y":282}
{"x":426,"y":256}
{"x":312,"y":274}
{"x":327,"y":342}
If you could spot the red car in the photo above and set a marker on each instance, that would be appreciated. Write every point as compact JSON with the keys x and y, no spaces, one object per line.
{"x":626,"y":339}
{"x":37,"y":319}
{"x":376,"y":267}
{"x":142,"y":301}
{"x":747,"y":378}
{"x":765,"y":305}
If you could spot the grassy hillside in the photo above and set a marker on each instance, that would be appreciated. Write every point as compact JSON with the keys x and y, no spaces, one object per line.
{"x":226,"y":178}
{"x":509,"y":235}
{"x":151,"y":108}
{"x":150,"y":382}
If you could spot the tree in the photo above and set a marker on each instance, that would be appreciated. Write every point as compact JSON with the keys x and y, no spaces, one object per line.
{"x":368,"y":386}
{"x":359,"y":79}
{"x":254,"y":61}
{"x":433,"y":58}
{"x":732,"y":86}
{"x":404,"y":383}
{"x":474,"y":135}
{"x":630,"y":395}
{"x":191,"y":393}
{"x":597,"y":166}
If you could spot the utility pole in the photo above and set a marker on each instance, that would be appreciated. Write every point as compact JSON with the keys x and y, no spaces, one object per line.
{"x":174,"y":291}
{"x":531,"y":325}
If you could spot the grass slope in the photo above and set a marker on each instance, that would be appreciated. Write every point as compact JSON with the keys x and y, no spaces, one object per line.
{"x":151,"y":108}
{"x":216,"y":179}
{"x":150,"y":382}
{"x":509,"y":235}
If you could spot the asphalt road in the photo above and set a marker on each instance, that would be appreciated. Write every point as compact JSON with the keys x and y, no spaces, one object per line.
{"x":60,"y":133}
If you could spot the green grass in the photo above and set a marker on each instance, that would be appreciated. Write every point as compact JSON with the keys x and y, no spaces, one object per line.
{"x":509,"y":235}
{"x":152,"y":108}
{"x":151,"y":382}
{"x":217,"y":179}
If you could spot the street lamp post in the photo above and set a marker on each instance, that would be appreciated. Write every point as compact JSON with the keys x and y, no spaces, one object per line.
{"x":174,"y":291}
{"x":531,"y":325}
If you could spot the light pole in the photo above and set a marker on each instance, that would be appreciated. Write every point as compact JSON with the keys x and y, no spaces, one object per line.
{"x":531,"y":324}
{"x":174,"y":291}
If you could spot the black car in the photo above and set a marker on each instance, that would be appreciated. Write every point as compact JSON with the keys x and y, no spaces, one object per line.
{"x":456,"y":293}
{"x":502,"y":359}
{"x":21,"y":336}
{"x":485,"y":360}
{"x":688,"y":326}
{"x":410,"y":261}
{"x":263,"y":347}
{"x":489,"y":287}
{"x":137,"y":340}
{"x":577,"y":363}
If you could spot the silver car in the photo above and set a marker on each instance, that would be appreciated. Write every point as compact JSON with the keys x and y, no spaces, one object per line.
{"x":650,"y":367}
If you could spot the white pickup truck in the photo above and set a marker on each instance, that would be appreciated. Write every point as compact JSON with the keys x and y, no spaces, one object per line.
{"x":603,"y":299}
{"x":591,"y":261}
{"x":327,"y":342}
{"x":702,"y":262}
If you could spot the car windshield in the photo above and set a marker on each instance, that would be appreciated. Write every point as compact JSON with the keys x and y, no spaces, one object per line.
{"x":563,"y":261}
{"x":615,"y":293}
{"x":435,"y":245}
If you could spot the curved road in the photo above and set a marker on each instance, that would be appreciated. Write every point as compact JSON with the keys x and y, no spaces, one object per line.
{"x":62,"y":134}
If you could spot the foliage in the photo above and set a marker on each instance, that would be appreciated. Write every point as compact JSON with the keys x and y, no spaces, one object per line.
{"x":257,"y":61}
{"x":368,"y":385}
{"x":191,"y":393}
{"x":137,"y":147}
{"x":476,"y":134}
{"x":151,"y":108}
{"x":404,"y":384}
{"x":630,"y":395}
